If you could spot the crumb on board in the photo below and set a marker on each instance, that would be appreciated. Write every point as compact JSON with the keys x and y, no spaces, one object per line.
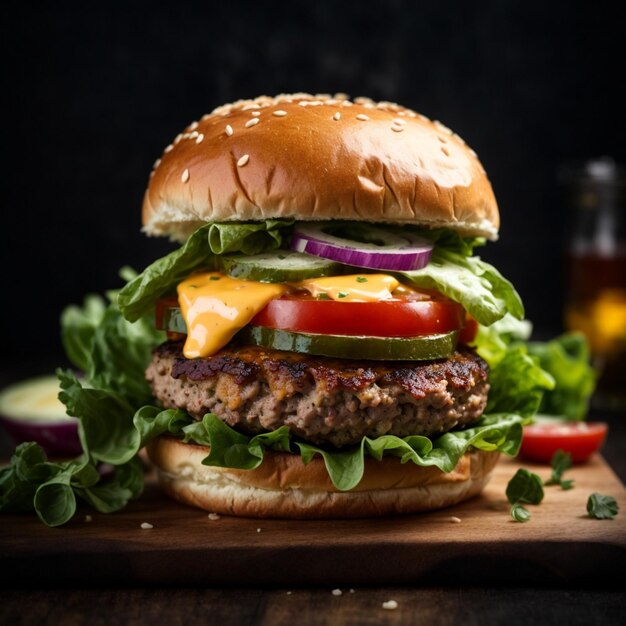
{"x":146,"y":526}
{"x":337,"y":592}
{"x":213,"y":516}
{"x":390,"y":605}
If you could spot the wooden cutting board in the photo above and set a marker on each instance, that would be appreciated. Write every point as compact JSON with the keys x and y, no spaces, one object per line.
{"x":560,"y":544}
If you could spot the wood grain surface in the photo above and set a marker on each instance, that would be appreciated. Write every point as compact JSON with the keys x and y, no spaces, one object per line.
{"x":559,"y":544}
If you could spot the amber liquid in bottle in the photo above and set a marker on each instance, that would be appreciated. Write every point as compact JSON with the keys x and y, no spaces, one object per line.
{"x":597,"y":306}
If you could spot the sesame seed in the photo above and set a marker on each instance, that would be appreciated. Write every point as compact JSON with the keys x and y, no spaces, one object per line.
{"x":185,"y":176}
{"x":199,"y":138}
{"x":252,"y":122}
{"x":258,"y":530}
{"x":229,"y":130}
{"x":397,"y":120}
{"x":454,"y":519}
{"x":279,"y":113}
{"x":156,"y":164}
{"x":146,"y":526}
{"x":256,"y":113}
{"x":193,"y":135}
{"x":442,"y":139}
{"x":213,"y":516}
{"x":445,"y":151}
{"x":362,"y":117}
{"x":251,"y":106}
{"x":193,"y":125}
{"x":168,"y":148}
{"x":473,"y":153}
{"x":397,"y":129}
{"x":337,"y":592}
{"x":206,"y":116}
{"x":243,"y":160}
{"x":178,"y":137}
{"x":390,"y":605}
{"x":337,"y":116}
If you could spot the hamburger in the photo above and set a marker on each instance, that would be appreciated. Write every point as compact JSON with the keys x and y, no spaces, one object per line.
{"x":322,"y":341}
{"x":315,"y":332}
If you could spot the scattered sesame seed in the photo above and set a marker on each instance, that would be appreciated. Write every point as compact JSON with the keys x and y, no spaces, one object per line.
{"x":146,"y":526}
{"x":252,"y":122}
{"x":156,"y":164}
{"x":362,"y":117}
{"x":258,"y":530}
{"x":229,"y":130}
{"x":88,"y":518}
{"x":337,"y":116}
{"x":279,"y":113}
{"x":399,"y":121}
{"x":186,"y":471}
{"x":397,"y":129}
{"x":178,"y":137}
{"x":199,"y":138}
{"x":303,"y":103}
{"x":206,"y":116}
{"x":213,"y":516}
{"x":442,"y":139}
{"x":243,"y":160}
{"x":390,"y":605}
{"x":193,"y":135}
{"x":337,"y":592}
{"x":168,"y":148}
{"x":193,"y":125}
{"x":473,"y":153}
{"x":445,"y":151}
{"x":289,"y":593}
{"x":185,"y":176}
{"x":351,"y":590}
{"x":256,"y":113}
{"x":251,"y":106}
{"x":454,"y":519}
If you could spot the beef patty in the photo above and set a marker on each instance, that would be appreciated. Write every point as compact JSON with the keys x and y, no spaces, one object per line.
{"x":322,"y":400}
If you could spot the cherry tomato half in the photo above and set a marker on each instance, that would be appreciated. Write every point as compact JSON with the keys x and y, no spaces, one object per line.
{"x":388,"y":318}
{"x":580,"y":439}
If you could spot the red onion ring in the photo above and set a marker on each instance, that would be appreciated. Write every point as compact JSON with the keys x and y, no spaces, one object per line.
{"x":387,"y":250}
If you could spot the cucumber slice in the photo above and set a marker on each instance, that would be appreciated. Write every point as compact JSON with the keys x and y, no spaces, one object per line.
{"x":424,"y":348}
{"x":279,"y":267}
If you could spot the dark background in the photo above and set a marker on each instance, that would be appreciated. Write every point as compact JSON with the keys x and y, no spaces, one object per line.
{"x":92,"y":93}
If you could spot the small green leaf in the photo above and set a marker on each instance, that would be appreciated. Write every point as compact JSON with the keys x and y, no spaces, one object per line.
{"x":567,"y":484}
{"x":560,"y":462}
{"x":519,"y":513}
{"x":526,"y":487}
{"x":600,"y":506}
{"x":361,"y":279}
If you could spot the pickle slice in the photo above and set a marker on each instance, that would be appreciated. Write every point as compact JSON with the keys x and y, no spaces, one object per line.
{"x":422,"y":348}
{"x":278,"y":267}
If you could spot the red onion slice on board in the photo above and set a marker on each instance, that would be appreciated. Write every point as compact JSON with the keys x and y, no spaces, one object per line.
{"x":372,"y":247}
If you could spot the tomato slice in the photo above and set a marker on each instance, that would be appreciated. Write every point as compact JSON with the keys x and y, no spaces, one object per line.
{"x":581,"y":439}
{"x":401,"y":317}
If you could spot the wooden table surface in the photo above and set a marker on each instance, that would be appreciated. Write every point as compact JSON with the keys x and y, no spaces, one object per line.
{"x":464,"y":602}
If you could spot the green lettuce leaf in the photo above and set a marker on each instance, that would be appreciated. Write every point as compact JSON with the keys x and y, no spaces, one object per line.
{"x":32,"y":483}
{"x":498,"y":432}
{"x":478,"y":286}
{"x":137,"y":298}
{"x":566,"y":358}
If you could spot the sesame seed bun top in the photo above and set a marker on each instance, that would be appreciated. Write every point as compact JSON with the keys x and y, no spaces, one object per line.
{"x":318,"y":158}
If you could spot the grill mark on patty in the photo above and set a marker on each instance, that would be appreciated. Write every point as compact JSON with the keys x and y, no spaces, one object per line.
{"x":462,"y":369}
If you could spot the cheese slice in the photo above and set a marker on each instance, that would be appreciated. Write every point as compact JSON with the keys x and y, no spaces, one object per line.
{"x":215,"y":307}
{"x":352,"y":288}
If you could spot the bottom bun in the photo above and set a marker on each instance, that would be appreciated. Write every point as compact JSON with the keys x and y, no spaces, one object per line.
{"x":283,"y":487}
